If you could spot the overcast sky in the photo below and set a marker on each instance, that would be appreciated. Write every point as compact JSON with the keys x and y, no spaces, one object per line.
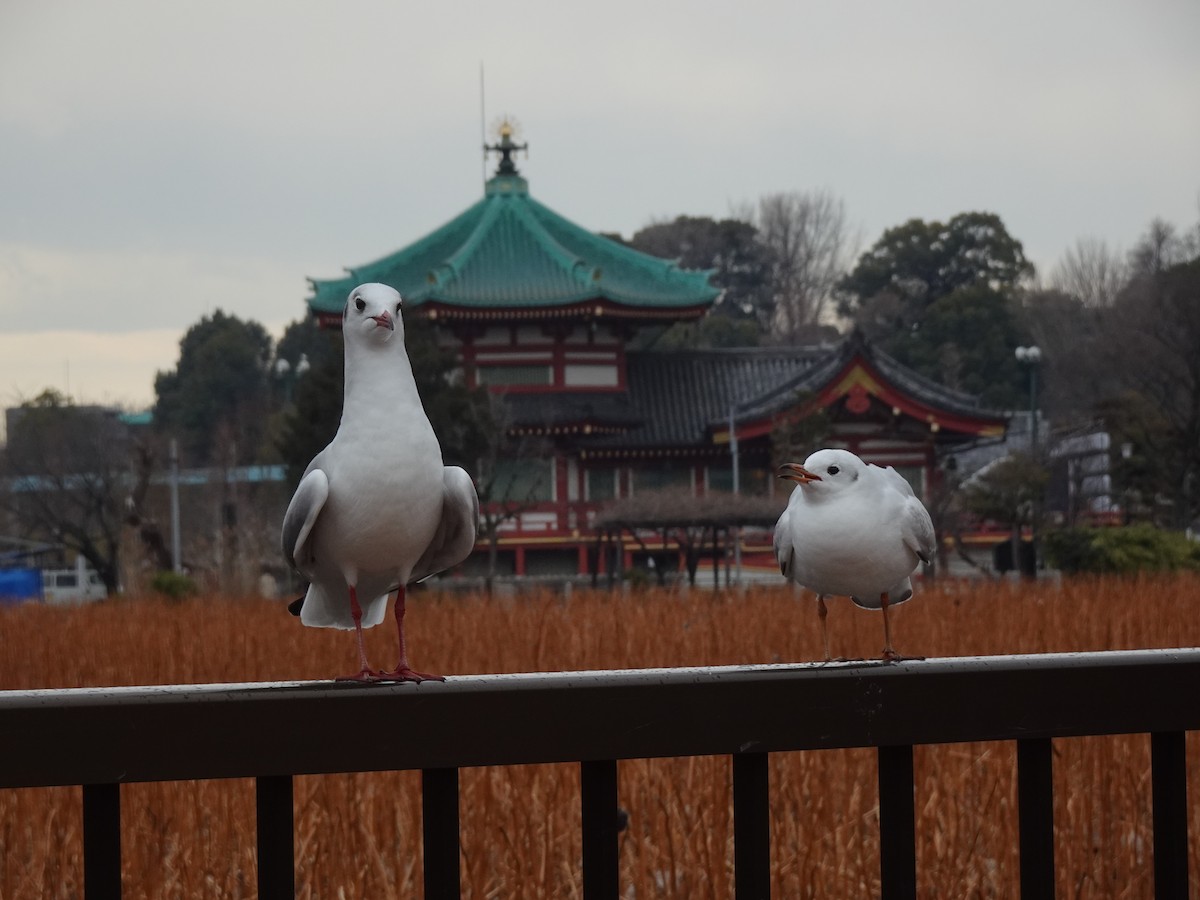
{"x":160,"y":160}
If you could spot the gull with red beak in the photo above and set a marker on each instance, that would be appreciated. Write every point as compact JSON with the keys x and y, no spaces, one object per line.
{"x":376,"y":510}
{"x":854,"y":530}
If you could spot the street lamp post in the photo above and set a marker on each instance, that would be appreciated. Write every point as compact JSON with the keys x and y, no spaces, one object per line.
{"x":173,"y":483}
{"x":733,"y":450}
{"x":289,"y":375}
{"x":733,"y":453}
{"x":1031,"y":357}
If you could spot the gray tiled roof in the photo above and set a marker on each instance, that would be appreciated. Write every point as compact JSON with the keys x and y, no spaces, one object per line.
{"x":680,"y":394}
{"x":672,"y":396}
{"x":677,"y":398}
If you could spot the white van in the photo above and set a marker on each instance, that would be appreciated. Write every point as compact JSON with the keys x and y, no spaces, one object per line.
{"x":77,"y":585}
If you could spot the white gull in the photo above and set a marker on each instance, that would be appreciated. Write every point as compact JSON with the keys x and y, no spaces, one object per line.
{"x":854,"y":530}
{"x":377,"y":510}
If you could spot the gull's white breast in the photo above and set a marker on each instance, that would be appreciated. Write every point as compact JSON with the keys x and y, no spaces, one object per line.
{"x":850,"y":545}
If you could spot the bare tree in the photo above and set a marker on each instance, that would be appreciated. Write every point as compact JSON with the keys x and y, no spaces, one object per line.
{"x":511,"y":476}
{"x":1073,"y":336}
{"x":143,"y":462}
{"x":66,"y":477}
{"x":1012,"y":492}
{"x":1161,"y":247}
{"x":1153,"y":344}
{"x":811,"y":248}
{"x":1091,"y":272}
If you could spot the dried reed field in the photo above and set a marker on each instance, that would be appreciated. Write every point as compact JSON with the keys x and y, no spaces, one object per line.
{"x":359,"y":835}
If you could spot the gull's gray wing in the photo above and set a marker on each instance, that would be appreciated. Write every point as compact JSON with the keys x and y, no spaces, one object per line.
{"x":300,"y":518}
{"x":782,"y":542}
{"x":455,"y":536}
{"x":918,"y":529}
{"x":915,"y":524}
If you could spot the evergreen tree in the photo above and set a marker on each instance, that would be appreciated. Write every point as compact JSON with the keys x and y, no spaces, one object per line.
{"x":217,"y":398}
{"x":741,"y":263}
{"x":941,"y":298}
{"x":919,"y":262}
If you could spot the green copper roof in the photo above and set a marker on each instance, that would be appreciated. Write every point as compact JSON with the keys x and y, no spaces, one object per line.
{"x":510,"y":252}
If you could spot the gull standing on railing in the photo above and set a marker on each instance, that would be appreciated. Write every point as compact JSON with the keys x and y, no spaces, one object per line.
{"x":376,"y":510}
{"x":852,"y":530}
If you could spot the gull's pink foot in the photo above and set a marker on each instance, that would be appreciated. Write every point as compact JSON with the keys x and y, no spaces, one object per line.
{"x":404,"y":673}
{"x":366,"y":676}
{"x":890,"y":655}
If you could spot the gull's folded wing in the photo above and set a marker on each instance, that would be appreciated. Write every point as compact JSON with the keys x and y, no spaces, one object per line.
{"x":300,"y":518}
{"x":455,"y":536}
{"x":782,"y":542}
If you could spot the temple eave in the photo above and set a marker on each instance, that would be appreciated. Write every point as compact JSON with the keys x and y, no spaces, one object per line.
{"x":571,"y":429}
{"x":439,"y":311}
{"x":585,"y":309}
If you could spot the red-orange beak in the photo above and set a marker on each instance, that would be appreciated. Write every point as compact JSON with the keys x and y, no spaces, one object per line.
{"x":797,"y":473}
{"x":384,"y":320}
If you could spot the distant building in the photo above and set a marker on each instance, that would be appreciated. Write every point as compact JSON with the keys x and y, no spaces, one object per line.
{"x":542,"y":312}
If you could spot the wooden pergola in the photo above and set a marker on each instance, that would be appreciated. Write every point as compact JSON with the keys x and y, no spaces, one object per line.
{"x":695,"y":525}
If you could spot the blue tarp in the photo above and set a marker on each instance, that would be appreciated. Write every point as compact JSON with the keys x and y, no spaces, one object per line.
{"x":18,"y":585}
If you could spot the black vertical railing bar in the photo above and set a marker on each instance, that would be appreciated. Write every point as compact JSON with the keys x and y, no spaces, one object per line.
{"x":440,"y":832}
{"x":601,"y":861}
{"x":102,"y":842}
{"x":897,"y":824}
{"x":276,"y":840}
{"x":751,"y":827}
{"x":1035,"y":817}
{"x":1168,"y":767}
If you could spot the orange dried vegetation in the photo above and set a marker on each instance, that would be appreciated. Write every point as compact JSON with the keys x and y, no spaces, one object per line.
{"x":359,"y":835}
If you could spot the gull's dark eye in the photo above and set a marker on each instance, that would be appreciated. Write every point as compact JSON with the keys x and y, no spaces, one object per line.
{"x":398,"y":305}
{"x":833,"y":470}
{"x":360,"y":304}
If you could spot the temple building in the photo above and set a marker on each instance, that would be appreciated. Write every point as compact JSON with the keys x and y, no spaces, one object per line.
{"x":543,"y":312}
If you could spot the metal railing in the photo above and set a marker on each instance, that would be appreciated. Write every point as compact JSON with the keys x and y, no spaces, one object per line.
{"x":266,"y":731}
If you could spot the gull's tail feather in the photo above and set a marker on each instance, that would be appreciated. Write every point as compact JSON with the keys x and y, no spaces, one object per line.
{"x":320,"y":608}
{"x":896,"y":594}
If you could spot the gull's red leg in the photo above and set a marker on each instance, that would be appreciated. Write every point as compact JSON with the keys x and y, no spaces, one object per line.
{"x":822,"y":612}
{"x":403,"y":672}
{"x":364,"y":673}
{"x":888,"y":652}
